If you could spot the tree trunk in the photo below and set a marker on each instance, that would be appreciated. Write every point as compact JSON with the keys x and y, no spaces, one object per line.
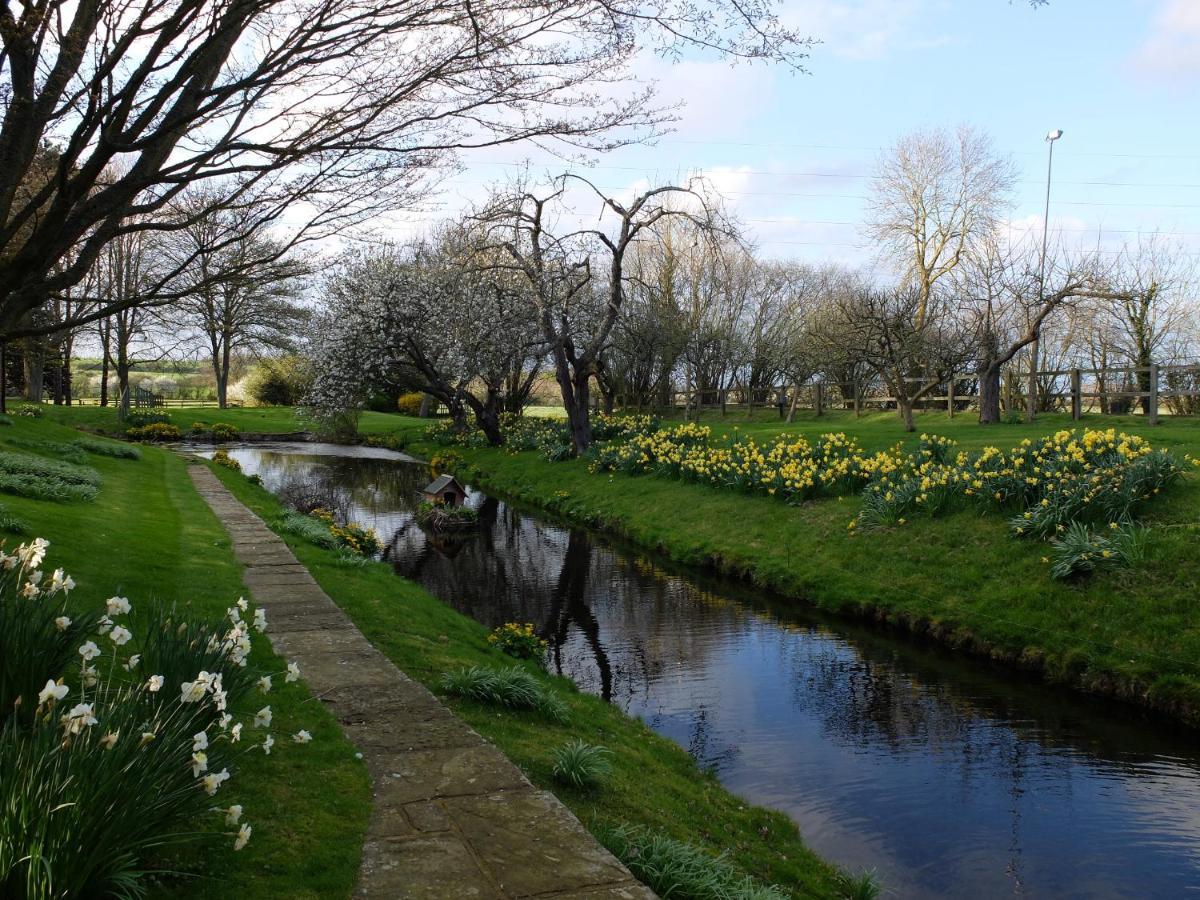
{"x":989,"y":394}
{"x":906,"y":413}
{"x":123,"y":390}
{"x":35,"y":371}
{"x":424,"y":411}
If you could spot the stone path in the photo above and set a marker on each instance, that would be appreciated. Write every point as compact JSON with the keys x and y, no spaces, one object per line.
{"x":451,"y":817}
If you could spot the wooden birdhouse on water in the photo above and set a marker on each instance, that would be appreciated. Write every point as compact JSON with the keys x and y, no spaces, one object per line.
{"x":444,"y":491}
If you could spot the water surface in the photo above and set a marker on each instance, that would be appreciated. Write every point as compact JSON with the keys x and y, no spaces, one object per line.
{"x":950,"y":777}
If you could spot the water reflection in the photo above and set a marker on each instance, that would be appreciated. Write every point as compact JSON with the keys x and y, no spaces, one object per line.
{"x":951,"y":778}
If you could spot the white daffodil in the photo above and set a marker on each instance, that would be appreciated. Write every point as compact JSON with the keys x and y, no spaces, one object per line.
{"x":90,"y":676}
{"x":29,"y":591}
{"x":199,"y":764}
{"x":61,"y":582}
{"x":199,"y":741}
{"x":235,"y":733}
{"x":191,"y":691}
{"x":242,"y":604}
{"x":120,"y":636}
{"x":214,"y":780}
{"x":62,"y":623}
{"x":105,"y":625}
{"x":147,"y":737}
{"x":89,"y":651}
{"x":132,"y":662}
{"x":264,"y":684}
{"x":110,"y":740}
{"x":268,"y":744}
{"x":302,"y":737}
{"x":35,"y":578}
{"x":243,"y":837}
{"x":223,"y":722}
{"x":260,"y":620}
{"x":32,"y":554}
{"x":117,"y":606}
{"x":233,"y":814}
{"x":52,"y":691}
{"x":154,"y":683}
{"x":79,"y":718}
{"x":262,"y":718}
{"x":293,"y":673}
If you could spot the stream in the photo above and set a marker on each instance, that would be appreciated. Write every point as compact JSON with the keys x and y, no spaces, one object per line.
{"x":950,"y":777}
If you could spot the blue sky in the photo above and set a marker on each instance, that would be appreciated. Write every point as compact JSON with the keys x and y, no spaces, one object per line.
{"x":1120,"y":77}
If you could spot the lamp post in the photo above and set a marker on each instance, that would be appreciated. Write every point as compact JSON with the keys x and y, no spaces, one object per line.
{"x":1031,"y":400}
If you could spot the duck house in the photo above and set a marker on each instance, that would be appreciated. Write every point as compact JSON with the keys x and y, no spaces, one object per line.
{"x":444,"y":491}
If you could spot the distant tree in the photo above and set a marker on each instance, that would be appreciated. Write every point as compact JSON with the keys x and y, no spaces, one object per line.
{"x":936,"y":198}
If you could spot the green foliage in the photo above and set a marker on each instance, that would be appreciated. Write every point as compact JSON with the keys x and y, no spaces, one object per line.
{"x":315,"y":531}
{"x":673,"y":868}
{"x":29,"y":411}
{"x":154,"y":432}
{"x":580,"y":764}
{"x":108,"y":448}
{"x":410,"y":404}
{"x":223,"y":432}
{"x":446,"y":461}
{"x":12,"y":523}
{"x":282,"y":381}
{"x":68,"y":452}
{"x":45,"y":479}
{"x":140,"y":418}
{"x":443,"y":517}
{"x":518,"y":641}
{"x":1081,"y":550}
{"x":320,"y":528}
{"x":513,"y":688}
{"x":222,"y":458}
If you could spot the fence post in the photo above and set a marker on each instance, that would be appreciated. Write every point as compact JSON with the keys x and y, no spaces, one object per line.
{"x":1153,"y":393}
{"x":1076,"y":395}
{"x":950,"y":396}
{"x":819,"y":397}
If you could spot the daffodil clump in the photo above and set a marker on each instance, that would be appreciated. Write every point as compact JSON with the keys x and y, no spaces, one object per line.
{"x":550,"y":437}
{"x":357,"y":539}
{"x":118,"y":732}
{"x":518,"y":641}
{"x":792,"y":469}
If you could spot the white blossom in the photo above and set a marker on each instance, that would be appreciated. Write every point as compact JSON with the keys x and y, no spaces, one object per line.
{"x":62,"y":623}
{"x":214,"y":780}
{"x":154,"y":684}
{"x":79,"y":718}
{"x":89,"y":651}
{"x":243,"y":837}
{"x":117,"y":606}
{"x":262,"y":718}
{"x":120,"y":636}
{"x":301,"y":737}
{"x":233,"y":814}
{"x":293,"y":672}
{"x":52,"y":691}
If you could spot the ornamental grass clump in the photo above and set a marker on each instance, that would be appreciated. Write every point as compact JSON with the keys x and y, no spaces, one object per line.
{"x":39,"y":478}
{"x":108,"y":448}
{"x":512,"y":688}
{"x":581,"y":765}
{"x":118,"y":731}
{"x":1081,"y":549}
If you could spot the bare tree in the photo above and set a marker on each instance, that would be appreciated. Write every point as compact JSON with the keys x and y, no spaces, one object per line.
{"x":325,"y":109}
{"x":575,"y":314}
{"x":936,"y":196}
{"x":238,"y":287}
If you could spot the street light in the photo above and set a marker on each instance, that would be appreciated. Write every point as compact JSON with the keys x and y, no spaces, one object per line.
{"x":1031,"y":400}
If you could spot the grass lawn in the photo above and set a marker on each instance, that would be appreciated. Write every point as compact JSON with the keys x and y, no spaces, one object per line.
{"x":268,"y":419}
{"x":149,"y":536}
{"x":654,"y":781}
{"x":962,"y":578}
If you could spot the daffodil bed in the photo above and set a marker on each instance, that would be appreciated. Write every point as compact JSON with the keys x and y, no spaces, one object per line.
{"x":144,"y":819}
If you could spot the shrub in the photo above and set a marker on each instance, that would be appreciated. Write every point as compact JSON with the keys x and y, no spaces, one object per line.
{"x":441,"y":517}
{"x":139,"y":418}
{"x":223,"y":432}
{"x":518,"y":641}
{"x":221,"y":458}
{"x":116,"y":733}
{"x":313,"y":530}
{"x":410,"y":404}
{"x":68,"y":452}
{"x":29,"y":411}
{"x":47,"y":479}
{"x":154,"y":432}
{"x":580,"y":764}
{"x":108,"y":448}
{"x":672,"y":868}
{"x":198,"y":429}
{"x":445,"y":461}
{"x":514,"y":688}
{"x":280,"y":382}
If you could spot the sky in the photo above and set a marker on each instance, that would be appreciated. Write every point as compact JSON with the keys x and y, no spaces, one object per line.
{"x":792,"y":153}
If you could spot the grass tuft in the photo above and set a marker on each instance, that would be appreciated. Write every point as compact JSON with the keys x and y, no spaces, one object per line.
{"x":581,"y":765}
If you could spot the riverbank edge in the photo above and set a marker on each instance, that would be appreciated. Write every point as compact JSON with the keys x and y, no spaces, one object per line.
{"x":1176,"y":700}
{"x":825,"y":878}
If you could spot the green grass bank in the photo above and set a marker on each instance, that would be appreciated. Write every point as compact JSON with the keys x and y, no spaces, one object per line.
{"x":150,"y":537}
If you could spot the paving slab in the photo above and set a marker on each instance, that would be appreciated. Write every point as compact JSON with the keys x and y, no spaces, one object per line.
{"x":451,"y":816}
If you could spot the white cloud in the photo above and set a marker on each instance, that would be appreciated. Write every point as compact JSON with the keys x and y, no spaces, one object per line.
{"x":1171,"y":49}
{"x":868,"y":29}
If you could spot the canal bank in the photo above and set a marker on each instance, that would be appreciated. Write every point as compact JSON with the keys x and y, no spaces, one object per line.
{"x":945,"y":775}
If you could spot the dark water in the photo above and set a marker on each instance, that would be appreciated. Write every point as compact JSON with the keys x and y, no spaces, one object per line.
{"x":950,"y":778}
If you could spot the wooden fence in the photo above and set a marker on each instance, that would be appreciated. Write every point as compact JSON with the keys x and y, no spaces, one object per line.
{"x":1122,"y":389}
